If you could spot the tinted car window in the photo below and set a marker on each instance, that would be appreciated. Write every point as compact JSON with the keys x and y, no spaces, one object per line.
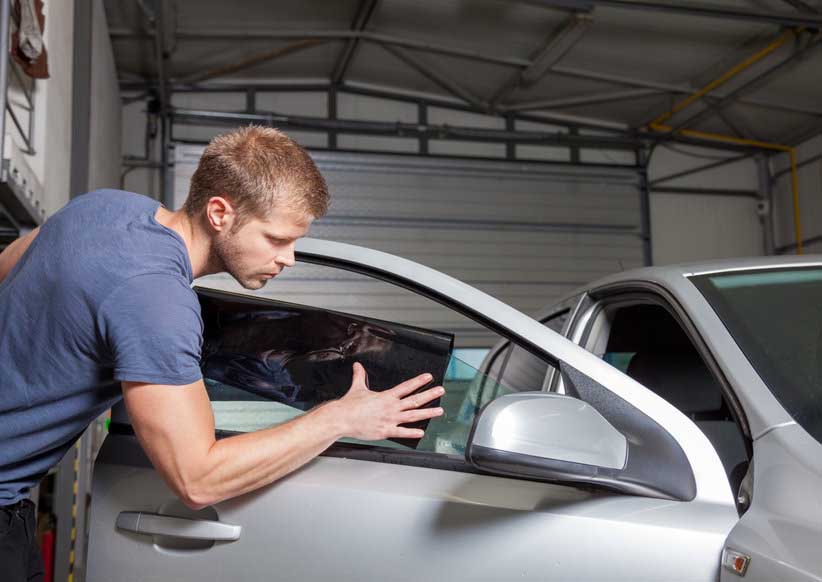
{"x":241,"y":402}
{"x":296,"y":354}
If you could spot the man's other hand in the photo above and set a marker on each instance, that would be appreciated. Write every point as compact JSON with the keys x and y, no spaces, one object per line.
{"x":368,"y":415}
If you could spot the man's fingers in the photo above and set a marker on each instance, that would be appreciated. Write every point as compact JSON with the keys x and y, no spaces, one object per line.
{"x":407,"y":387}
{"x":407,"y":433}
{"x":422,"y":398}
{"x":419,"y":414}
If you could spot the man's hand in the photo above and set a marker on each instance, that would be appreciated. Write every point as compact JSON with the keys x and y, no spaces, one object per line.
{"x":372,"y":416}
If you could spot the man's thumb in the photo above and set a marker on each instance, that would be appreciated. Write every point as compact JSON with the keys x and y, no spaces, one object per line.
{"x":360,"y":376}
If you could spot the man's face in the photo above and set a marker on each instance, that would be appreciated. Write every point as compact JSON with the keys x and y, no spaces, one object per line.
{"x":260,"y":249}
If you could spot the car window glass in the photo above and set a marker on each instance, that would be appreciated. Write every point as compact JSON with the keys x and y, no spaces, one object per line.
{"x":236,"y":408}
{"x":515,"y":366}
{"x":558,"y":321}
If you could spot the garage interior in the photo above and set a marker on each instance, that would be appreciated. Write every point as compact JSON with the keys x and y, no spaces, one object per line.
{"x":526,"y":147}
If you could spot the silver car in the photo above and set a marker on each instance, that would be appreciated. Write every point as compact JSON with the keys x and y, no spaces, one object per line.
{"x":661,"y":424}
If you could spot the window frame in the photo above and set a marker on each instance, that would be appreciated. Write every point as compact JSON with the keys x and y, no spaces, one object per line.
{"x":633,"y":292}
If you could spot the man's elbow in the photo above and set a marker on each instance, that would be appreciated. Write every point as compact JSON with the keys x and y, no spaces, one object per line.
{"x":194,"y":496}
{"x":189,"y":485}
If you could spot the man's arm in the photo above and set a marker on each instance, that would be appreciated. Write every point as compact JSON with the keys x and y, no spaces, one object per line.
{"x":175,"y":426}
{"x":12,"y":253}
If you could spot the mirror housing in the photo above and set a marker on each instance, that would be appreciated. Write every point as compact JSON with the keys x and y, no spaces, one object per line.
{"x":546,"y":436}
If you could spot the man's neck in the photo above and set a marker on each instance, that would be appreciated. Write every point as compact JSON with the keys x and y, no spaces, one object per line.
{"x":197,"y":242}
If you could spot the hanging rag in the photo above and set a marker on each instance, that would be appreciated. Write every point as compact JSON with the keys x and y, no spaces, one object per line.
{"x":27,"y":47}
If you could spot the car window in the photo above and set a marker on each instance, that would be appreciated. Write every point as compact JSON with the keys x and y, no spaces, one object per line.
{"x":239,"y":405}
{"x":646,"y":342}
{"x":521,"y":368}
{"x":514,"y":366}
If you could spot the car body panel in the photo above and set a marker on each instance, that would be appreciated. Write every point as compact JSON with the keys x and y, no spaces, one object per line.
{"x":352,"y":520}
{"x":782,"y":530}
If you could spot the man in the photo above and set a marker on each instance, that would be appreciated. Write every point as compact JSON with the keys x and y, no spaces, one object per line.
{"x":96,"y":305}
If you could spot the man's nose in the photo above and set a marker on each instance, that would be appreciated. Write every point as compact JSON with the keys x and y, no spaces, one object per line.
{"x":286,"y":258}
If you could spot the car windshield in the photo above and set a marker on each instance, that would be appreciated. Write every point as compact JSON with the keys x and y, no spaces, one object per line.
{"x":775,"y":317}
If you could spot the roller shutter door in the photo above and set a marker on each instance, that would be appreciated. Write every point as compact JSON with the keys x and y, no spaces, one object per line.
{"x":525,"y":233}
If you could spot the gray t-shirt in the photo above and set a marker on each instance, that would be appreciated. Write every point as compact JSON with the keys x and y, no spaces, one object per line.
{"x":102,"y":295}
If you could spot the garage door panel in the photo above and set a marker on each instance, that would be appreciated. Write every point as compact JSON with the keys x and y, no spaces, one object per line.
{"x":547,"y":196}
{"x":519,"y":242}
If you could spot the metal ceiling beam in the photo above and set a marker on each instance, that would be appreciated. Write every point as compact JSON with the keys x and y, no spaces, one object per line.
{"x":248,"y":35}
{"x":365,"y":89}
{"x":804,"y":134}
{"x":756,"y":82}
{"x":589,"y":99}
{"x":800,"y":165}
{"x":706,"y":191}
{"x":733,"y":126}
{"x":517,"y":62}
{"x":672,"y":87}
{"x":556,"y":47}
{"x":437,"y":77}
{"x":248,"y":62}
{"x":699,"y":169}
{"x":365,"y":11}
{"x":597,"y":141}
{"x":709,"y":10}
{"x":616,"y":128}
{"x":404,"y":129}
{"x":802,"y":6}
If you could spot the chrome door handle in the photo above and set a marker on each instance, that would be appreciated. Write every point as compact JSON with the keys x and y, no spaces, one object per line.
{"x":178,"y":527}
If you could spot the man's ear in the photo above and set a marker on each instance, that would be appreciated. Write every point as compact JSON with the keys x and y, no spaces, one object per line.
{"x":220,"y":214}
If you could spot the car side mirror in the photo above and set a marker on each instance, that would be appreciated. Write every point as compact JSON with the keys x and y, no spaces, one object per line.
{"x":546,"y":436}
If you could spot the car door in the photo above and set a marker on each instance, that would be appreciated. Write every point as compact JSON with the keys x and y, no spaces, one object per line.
{"x":394,"y":511}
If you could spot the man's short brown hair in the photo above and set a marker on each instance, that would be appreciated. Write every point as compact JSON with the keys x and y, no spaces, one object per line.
{"x":257,"y":168}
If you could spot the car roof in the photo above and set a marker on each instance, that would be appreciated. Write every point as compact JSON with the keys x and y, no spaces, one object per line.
{"x":671,"y":275}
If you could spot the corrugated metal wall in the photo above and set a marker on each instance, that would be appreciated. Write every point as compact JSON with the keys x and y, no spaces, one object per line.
{"x":525,"y":233}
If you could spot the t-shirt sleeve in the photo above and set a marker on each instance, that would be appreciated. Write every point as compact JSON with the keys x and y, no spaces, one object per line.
{"x":153,"y":330}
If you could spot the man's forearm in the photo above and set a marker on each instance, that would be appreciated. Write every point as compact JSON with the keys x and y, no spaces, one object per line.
{"x":175,"y":426}
{"x":243,"y":463}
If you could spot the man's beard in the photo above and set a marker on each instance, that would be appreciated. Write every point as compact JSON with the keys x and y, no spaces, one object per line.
{"x":228,"y":257}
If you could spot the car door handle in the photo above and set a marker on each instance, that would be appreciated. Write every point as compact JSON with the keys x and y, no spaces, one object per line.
{"x":178,"y":527}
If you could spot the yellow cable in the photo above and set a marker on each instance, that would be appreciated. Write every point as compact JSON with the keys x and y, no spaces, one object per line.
{"x":657,"y":125}
{"x":728,"y":75}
